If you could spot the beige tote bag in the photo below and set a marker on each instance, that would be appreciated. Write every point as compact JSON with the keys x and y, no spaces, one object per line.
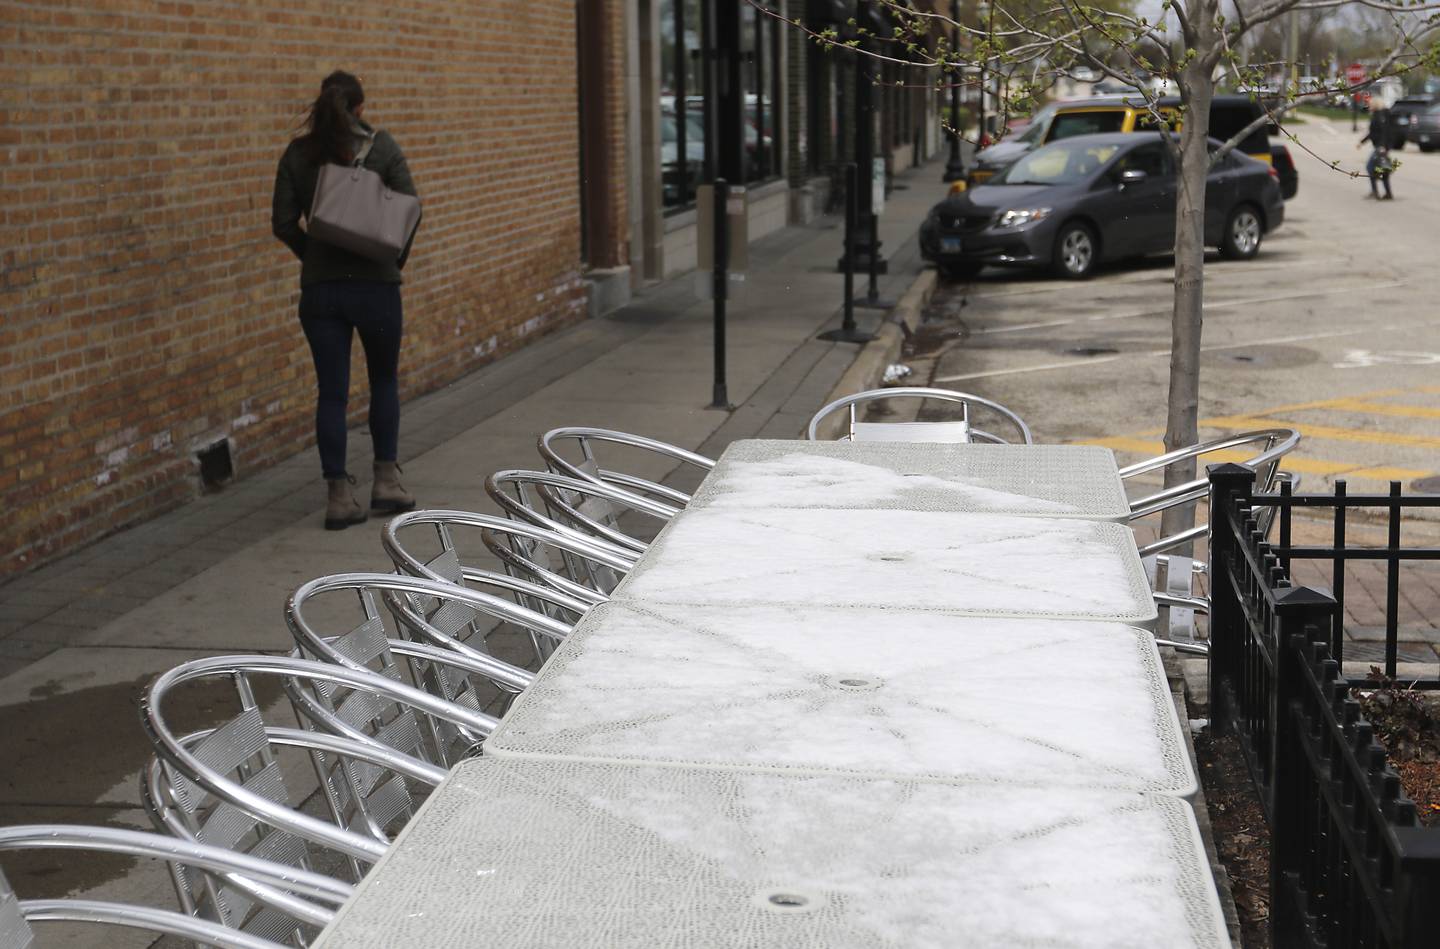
{"x":353,"y":209}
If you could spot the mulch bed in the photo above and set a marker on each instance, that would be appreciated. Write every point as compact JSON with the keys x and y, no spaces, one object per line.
{"x":1241,"y":835}
{"x":1407,"y":723}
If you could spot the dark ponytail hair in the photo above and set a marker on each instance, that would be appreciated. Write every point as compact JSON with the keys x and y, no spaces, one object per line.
{"x":329,"y":129}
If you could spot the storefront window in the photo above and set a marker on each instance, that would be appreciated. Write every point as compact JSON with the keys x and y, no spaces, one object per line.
{"x":760,"y":39}
{"x":682,"y":128}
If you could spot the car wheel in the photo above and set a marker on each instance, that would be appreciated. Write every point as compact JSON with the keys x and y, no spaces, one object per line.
{"x":1077,"y":250}
{"x":1243,"y":231}
{"x":965,"y":270}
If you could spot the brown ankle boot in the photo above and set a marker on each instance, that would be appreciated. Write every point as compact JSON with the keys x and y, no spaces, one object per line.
{"x":343,"y":510}
{"x":388,"y":494}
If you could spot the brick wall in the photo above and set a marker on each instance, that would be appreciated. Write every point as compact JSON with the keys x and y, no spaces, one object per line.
{"x":145,"y":309}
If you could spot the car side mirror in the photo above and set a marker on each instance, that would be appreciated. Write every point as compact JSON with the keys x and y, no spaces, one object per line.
{"x":1131,"y":176}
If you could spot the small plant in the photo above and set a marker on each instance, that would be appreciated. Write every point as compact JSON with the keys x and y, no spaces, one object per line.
{"x":1405,"y":719}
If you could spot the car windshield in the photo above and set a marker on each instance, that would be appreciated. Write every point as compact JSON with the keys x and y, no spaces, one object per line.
{"x":1061,"y":163}
{"x":1036,"y":131}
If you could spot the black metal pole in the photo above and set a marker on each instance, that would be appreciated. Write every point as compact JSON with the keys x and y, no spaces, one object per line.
{"x":848,"y":332}
{"x":955,"y":167}
{"x":721,"y":286}
{"x":848,"y":326}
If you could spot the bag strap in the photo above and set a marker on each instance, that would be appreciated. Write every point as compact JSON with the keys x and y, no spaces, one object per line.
{"x":360,"y":158}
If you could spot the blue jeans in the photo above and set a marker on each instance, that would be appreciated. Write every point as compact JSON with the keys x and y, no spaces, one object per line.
{"x":329,"y":312}
{"x":1372,"y":168}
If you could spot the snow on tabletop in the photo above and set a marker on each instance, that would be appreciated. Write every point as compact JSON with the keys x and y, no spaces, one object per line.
{"x":984,"y":564}
{"x":1029,"y":480}
{"x":527,"y":853}
{"x":1029,"y":702}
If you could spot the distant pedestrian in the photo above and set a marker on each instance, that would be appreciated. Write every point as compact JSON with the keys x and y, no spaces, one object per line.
{"x":1379,"y":166}
{"x":342,"y":292}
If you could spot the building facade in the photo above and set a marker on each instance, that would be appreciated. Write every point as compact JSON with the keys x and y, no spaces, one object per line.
{"x":149,"y":345}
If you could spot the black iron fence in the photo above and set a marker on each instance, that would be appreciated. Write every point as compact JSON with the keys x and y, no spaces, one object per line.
{"x":1350,"y":865}
{"x":1341,"y":553}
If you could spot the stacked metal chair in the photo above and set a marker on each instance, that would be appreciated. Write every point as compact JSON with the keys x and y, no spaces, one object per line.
{"x":961,"y":430}
{"x":270,"y":814}
{"x":290,"y":903}
{"x":1174,"y":574}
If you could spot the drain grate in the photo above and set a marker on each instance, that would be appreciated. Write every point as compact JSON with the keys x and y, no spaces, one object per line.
{"x":1091,"y":351}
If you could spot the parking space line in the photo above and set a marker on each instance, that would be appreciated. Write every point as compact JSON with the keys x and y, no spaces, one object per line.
{"x":1076,"y":363}
{"x":1162,"y":310}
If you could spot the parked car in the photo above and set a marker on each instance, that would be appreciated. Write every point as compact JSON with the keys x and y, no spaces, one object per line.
{"x":1229,"y":115}
{"x":1402,"y":114}
{"x":1424,"y":128}
{"x":1075,"y":203}
{"x":1285,"y":170}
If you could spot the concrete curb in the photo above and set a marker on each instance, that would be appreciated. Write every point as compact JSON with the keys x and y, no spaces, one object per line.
{"x":870,"y":363}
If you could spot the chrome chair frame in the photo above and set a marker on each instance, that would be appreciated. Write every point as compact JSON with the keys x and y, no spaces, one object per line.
{"x":967,"y":433}
{"x":1278,"y":443}
{"x":588,"y":563}
{"x":589,"y":468}
{"x":311,"y":898}
{"x":447,"y":568}
{"x":247,"y":737}
{"x":438,"y":659}
{"x":1178,"y":595}
{"x":553,"y":505}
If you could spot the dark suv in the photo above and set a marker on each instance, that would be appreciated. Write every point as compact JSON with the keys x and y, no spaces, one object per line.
{"x":1402,"y":116}
{"x":1424,"y":128}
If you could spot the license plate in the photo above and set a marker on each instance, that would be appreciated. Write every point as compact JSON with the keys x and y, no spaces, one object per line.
{"x":951,"y":245}
{"x":1425,"y":138}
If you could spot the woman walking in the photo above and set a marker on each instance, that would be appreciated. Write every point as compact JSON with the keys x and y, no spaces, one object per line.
{"x":1379,"y":166}
{"x":342,"y":293}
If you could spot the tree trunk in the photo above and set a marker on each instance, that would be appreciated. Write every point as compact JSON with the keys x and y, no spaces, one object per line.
{"x":1197,"y":89}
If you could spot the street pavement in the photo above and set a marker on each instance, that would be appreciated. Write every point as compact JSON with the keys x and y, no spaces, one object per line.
{"x":1332,"y":330}
{"x":80,"y":638}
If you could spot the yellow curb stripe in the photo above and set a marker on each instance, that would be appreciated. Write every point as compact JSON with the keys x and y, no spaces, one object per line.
{"x":1299,"y":465}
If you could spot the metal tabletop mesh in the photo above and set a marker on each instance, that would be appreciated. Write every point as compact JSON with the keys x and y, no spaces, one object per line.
{"x":858,"y":691}
{"x":530,"y":854}
{"x":976,"y":564}
{"x":1076,"y":481}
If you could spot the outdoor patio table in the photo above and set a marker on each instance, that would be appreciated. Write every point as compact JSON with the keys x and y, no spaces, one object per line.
{"x":1073,"y":481}
{"x":526,"y":853}
{"x":859,"y":691}
{"x":978,"y":564}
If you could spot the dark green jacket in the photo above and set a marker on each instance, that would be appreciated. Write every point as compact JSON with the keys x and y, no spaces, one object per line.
{"x":294,"y":193}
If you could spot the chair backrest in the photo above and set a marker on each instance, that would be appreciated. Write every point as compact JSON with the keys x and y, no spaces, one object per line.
{"x":422,"y":544}
{"x":293,"y":903}
{"x":962,"y":431}
{"x":15,"y":933}
{"x":224,"y":785}
{"x":1275,"y":444}
{"x":439,"y":658}
{"x":580,"y":569}
{"x":563,"y":504}
{"x":582,"y":440}
{"x":585,"y":572}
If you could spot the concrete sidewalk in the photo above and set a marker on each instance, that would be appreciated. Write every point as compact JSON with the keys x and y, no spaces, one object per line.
{"x":80,"y":638}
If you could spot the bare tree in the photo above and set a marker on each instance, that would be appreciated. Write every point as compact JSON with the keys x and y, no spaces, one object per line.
{"x":1196,"y":46}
